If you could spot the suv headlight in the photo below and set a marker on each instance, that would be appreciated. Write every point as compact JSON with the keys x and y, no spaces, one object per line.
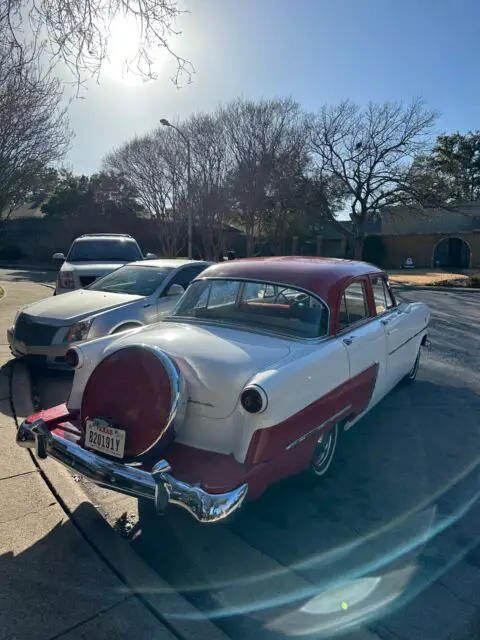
{"x":66,"y":280}
{"x":79,"y":331}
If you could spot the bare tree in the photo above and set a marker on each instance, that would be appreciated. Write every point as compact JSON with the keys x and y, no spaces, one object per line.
{"x":263,"y":137}
{"x":77,"y":32}
{"x":210,"y":165}
{"x":34,"y":129}
{"x":370,"y":151}
{"x":154,"y":166}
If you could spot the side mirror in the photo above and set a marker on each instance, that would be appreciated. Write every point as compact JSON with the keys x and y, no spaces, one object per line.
{"x":175,"y":290}
{"x":58,"y":256}
{"x":150,"y":256}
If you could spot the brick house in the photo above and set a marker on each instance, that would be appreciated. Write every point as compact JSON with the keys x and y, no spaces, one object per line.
{"x":435,"y":238}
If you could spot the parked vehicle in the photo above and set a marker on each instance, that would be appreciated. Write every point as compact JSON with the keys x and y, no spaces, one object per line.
{"x":134,"y":295}
{"x":94,"y":255}
{"x":261,"y":367}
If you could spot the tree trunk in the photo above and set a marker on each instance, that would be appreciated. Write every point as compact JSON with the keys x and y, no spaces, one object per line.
{"x":249,"y":243}
{"x":358,"y":248}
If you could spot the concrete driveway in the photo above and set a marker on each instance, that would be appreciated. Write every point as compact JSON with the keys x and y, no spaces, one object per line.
{"x":400,"y":508}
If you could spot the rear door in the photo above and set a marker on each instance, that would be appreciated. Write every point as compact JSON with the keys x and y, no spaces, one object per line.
{"x":364,"y":338}
{"x":401,"y":348}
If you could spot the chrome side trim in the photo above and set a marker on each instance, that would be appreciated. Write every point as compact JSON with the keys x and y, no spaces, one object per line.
{"x":159,"y":485}
{"x":321,"y":426}
{"x":408,"y":340}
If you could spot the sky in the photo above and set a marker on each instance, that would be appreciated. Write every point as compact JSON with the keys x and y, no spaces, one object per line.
{"x":316,"y":51}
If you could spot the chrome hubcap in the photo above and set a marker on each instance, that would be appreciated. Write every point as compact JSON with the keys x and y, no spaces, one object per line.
{"x":324,"y":449}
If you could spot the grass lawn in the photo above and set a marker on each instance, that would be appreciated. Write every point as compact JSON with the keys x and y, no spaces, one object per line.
{"x":426,"y":277}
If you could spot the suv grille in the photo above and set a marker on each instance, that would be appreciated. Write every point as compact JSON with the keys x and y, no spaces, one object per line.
{"x":32,"y":333}
{"x":86,"y":280}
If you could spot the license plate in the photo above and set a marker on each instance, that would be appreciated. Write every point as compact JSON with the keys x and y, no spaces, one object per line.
{"x":104,"y":439}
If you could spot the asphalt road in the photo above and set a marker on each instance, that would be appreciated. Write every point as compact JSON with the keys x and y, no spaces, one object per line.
{"x":399,"y":507}
{"x":25,"y":275}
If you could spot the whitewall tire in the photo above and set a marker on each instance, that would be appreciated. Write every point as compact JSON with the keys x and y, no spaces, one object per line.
{"x":325,"y":451}
{"x":412,"y":375}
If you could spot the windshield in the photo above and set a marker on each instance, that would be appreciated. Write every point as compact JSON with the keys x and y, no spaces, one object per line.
{"x":104,"y":251}
{"x":136,"y":281}
{"x":272,"y":307}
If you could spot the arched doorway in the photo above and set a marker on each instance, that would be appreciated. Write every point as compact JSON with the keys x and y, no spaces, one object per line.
{"x":453,"y":253}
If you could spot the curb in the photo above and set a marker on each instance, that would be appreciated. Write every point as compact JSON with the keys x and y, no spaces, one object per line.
{"x":419,"y":287}
{"x":183,"y":619}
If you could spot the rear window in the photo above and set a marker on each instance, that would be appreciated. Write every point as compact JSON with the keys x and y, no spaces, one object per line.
{"x":272,"y":307}
{"x":114,"y":250}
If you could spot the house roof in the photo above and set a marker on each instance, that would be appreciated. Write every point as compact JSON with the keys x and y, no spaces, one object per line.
{"x":404,"y":220}
{"x":331,"y":231}
{"x":25,"y":211}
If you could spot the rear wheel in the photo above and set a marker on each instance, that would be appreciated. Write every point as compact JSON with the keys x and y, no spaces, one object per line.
{"x":324,"y":452}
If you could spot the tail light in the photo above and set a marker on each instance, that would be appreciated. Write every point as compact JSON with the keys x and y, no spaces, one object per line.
{"x":72,"y":358}
{"x":254,"y":399}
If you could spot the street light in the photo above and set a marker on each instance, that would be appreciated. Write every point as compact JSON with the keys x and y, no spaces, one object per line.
{"x":166,"y":123}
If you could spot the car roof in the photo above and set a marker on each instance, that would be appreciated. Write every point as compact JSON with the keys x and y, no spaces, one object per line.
{"x":323,"y":276}
{"x":105,"y":236}
{"x":168,"y":262}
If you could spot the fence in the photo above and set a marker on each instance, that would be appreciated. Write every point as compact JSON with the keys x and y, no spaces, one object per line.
{"x":38,"y":238}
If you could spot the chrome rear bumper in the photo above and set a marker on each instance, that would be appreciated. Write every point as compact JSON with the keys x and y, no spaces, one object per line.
{"x":159,"y":485}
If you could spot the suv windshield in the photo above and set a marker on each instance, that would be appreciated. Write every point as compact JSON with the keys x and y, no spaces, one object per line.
{"x":104,"y":251}
{"x":136,"y":281}
{"x":272,"y":307}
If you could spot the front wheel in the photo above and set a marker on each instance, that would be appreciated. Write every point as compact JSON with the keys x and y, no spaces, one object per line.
{"x":324,"y":452}
{"x":412,"y":374}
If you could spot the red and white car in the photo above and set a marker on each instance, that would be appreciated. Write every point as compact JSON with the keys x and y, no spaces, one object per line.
{"x":260,"y":368}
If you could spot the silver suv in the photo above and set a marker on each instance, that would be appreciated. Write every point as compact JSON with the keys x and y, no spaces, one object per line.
{"x":94,"y":255}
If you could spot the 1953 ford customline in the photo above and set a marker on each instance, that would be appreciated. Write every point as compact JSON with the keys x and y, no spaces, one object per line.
{"x":261,"y":367}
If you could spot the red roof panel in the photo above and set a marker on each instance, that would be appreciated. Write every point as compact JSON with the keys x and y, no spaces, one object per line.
{"x":322,"y":276}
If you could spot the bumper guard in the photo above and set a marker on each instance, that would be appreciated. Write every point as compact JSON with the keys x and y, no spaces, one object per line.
{"x":158,"y":485}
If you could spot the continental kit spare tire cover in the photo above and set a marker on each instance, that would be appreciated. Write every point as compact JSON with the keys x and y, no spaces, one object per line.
{"x":140,"y":390}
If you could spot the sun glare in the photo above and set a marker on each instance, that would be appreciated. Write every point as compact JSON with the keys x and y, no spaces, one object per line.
{"x":123,"y":48}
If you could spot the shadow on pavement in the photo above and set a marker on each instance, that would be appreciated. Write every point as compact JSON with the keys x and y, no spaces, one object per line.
{"x":396,"y":512}
{"x":25,"y":275}
{"x":5,"y":402}
{"x":51,"y":580}
{"x":50,"y":387}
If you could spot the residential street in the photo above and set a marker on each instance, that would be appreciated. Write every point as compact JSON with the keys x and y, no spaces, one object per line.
{"x":401,"y":505}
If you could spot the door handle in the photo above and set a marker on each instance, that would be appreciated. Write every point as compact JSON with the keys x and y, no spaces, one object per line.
{"x":384,"y":321}
{"x":348,"y":340}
